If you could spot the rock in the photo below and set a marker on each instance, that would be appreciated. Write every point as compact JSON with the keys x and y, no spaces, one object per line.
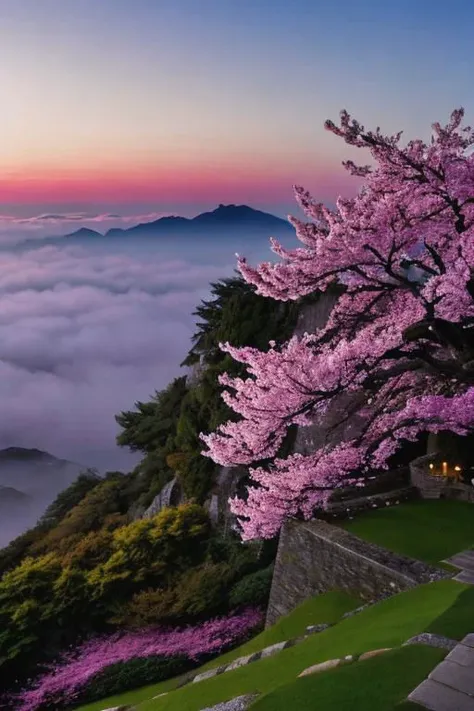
{"x":354,"y":612}
{"x":240,"y":662}
{"x":209,"y":673}
{"x":374,"y":653}
{"x":323,"y":666}
{"x":311,"y":629}
{"x":273,"y":649}
{"x":433,"y":640}
{"x":240,"y":703}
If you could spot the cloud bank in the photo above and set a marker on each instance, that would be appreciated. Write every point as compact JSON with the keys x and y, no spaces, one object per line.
{"x":14,"y":229}
{"x":83,"y":336}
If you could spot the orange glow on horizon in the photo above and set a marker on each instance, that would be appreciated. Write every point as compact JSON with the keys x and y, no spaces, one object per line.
{"x":219,"y":180}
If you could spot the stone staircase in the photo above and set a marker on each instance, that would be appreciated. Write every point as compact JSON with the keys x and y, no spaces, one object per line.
{"x":464,"y":561}
{"x":450,"y":686}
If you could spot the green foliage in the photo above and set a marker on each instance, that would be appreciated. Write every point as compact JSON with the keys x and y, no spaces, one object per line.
{"x":26,"y":604}
{"x":151,"y":551}
{"x":88,"y":515}
{"x":238,"y":315}
{"x":253,"y":589}
{"x":149,"y":427}
{"x":67,"y":499}
{"x":92,"y":550}
{"x":17,"y":550}
{"x":123,"y":676}
{"x":202,"y":591}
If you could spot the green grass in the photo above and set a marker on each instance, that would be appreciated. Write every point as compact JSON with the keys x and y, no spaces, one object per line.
{"x":380,"y":683}
{"x":444,"y":607}
{"x":328,"y":607}
{"x":132,"y":698}
{"x":427,"y":530}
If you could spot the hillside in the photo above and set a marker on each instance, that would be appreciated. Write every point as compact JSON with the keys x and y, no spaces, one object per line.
{"x":29,"y":481}
{"x":94,"y":564}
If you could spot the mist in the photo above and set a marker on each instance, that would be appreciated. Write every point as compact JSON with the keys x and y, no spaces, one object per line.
{"x":86,"y":331}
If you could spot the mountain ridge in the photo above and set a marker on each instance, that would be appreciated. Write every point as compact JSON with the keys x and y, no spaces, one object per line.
{"x":224,"y":216}
{"x":30,"y":479}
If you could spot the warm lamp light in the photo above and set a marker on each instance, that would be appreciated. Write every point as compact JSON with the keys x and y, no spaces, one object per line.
{"x":445,"y":468}
{"x":431,"y":466}
{"x":457,"y":469}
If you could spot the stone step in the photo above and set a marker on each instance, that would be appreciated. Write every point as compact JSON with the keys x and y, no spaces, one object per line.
{"x":438,"y":697}
{"x":462,"y":560}
{"x":460,"y":678}
{"x":467,"y":576}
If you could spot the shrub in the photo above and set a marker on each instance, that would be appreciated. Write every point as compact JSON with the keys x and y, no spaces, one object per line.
{"x":253,"y":589}
{"x":203,"y":591}
{"x":125,"y":676}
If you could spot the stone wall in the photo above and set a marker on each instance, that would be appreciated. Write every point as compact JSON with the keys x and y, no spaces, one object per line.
{"x":315,"y":557}
{"x":340,"y":421}
{"x":433,"y":487}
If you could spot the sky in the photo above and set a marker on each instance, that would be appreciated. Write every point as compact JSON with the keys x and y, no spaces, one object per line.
{"x":115,"y":112}
{"x":136,"y":107}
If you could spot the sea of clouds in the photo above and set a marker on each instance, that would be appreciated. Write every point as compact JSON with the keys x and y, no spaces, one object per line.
{"x":85,"y":333}
{"x":14,"y":229}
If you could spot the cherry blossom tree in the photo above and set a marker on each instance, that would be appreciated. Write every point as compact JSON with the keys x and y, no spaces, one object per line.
{"x":400,"y":336}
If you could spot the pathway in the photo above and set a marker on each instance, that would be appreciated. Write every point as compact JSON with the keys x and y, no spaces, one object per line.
{"x":450,"y":686}
{"x":464,"y":561}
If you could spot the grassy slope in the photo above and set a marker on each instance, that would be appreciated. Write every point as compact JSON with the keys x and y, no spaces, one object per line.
{"x":427,"y":530}
{"x":419,"y":529}
{"x":380,"y":683}
{"x":445,"y":607}
{"x":328,"y":607}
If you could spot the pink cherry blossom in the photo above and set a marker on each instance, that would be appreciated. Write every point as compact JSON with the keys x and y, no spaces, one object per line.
{"x":61,"y":685}
{"x":400,"y":336}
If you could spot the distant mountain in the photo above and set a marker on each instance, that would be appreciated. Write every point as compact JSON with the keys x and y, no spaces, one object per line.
{"x":225,"y":219}
{"x":30,"y":480}
{"x":11,"y":497}
{"x":84,"y":232}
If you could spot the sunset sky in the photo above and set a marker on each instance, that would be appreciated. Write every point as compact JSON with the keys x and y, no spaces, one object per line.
{"x":150,"y":105}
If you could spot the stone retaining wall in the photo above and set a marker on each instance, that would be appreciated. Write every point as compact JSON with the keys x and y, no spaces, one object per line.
{"x":433,"y":487}
{"x":315,"y":557}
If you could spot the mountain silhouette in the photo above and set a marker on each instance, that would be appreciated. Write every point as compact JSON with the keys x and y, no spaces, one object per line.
{"x":229,"y":217}
{"x":29,"y":481}
{"x":232,"y":219}
{"x":84,"y":232}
